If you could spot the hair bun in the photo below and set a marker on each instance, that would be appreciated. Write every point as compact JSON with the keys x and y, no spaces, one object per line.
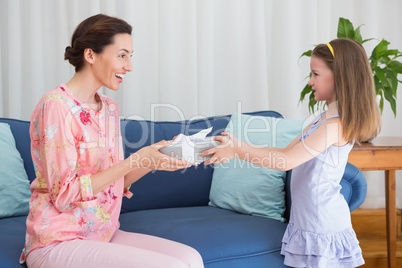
{"x":67,"y":52}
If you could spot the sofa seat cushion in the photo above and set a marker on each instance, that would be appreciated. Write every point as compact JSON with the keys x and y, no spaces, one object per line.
{"x":13,"y":239}
{"x":219,"y":235}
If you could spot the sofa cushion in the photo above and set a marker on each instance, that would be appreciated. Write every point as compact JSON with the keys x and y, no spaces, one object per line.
{"x":182,"y":188}
{"x":219,"y":235}
{"x":354,"y":186}
{"x":20,"y":130}
{"x":247,"y":188}
{"x":12,"y":241}
{"x":14,"y":184}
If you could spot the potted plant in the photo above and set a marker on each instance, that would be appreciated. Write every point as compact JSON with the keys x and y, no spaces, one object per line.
{"x":384,"y":65}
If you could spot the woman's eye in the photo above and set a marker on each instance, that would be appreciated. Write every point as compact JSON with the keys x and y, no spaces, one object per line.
{"x":122,"y":56}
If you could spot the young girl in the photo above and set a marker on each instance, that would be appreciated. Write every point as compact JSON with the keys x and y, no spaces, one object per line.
{"x":81,"y":176}
{"x":319,"y":233}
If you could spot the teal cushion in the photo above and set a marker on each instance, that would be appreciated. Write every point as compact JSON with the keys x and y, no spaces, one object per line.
{"x":14,"y":183}
{"x":246,"y":188}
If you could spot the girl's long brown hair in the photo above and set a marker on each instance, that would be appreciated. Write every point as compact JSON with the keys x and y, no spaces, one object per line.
{"x":354,"y":88}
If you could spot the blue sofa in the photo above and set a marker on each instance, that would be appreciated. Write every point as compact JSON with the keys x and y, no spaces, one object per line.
{"x":174,"y":205}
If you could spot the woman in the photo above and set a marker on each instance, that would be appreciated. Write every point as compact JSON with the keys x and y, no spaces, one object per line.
{"x":81,"y":175}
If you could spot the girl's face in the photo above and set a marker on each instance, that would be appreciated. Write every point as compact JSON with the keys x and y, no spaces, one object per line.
{"x":322,"y":80}
{"x":110,"y":66}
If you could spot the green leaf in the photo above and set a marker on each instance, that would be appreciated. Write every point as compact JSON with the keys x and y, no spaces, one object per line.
{"x":391,"y":81}
{"x":312,"y":102}
{"x":390,"y":98}
{"x":384,"y":60}
{"x":395,"y":66}
{"x":345,"y":29}
{"x":391,"y":52}
{"x":308,"y":76}
{"x":381,"y":105}
{"x":307,"y":89}
{"x":381,"y":48}
{"x":307,"y":54}
{"x":378,"y":86}
{"x":373,"y":57}
{"x":366,"y":40}
{"x":373,"y":62}
{"x":380,"y":74}
{"x":357,"y":36}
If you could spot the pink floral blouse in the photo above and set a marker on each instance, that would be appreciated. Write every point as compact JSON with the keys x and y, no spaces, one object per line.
{"x":69,"y":143}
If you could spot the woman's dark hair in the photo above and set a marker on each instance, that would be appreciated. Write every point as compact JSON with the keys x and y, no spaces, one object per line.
{"x":96,"y":33}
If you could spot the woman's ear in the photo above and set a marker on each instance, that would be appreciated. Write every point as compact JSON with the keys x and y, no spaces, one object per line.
{"x":89,"y":55}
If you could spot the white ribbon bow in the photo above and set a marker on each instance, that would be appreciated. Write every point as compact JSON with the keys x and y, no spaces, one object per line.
{"x":188,"y":143}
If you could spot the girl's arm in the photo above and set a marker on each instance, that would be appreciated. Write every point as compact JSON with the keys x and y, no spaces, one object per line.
{"x":295,"y":140}
{"x":329,"y":133}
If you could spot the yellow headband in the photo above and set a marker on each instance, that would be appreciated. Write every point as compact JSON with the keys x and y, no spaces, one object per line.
{"x":331,"y":49}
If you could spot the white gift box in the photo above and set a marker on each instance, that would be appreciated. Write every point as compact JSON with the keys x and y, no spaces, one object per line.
{"x":188,"y":148}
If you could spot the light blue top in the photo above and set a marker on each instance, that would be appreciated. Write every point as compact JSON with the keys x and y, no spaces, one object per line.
{"x":320,"y":233}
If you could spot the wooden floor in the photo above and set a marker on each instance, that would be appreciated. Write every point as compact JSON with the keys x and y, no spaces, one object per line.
{"x":369,"y":225}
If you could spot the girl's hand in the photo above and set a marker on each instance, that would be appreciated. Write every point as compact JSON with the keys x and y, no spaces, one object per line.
{"x":223,"y":152}
{"x":151,"y":158}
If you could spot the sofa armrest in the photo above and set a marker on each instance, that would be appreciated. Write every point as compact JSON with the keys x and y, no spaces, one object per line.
{"x":354,"y":188}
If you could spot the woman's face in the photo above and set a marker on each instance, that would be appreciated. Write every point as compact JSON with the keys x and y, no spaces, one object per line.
{"x":110,"y":66}
{"x":322,"y":80}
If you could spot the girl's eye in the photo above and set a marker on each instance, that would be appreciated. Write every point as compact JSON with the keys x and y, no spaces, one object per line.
{"x":122,"y":56}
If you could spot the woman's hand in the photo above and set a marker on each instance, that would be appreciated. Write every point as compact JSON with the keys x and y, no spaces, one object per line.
{"x":223,"y":152}
{"x":151,"y":158}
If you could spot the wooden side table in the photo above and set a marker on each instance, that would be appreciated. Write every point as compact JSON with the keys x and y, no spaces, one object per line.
{"x":383,"y":153}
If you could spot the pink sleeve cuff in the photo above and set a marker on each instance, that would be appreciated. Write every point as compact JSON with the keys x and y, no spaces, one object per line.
{"x":86,"y":188}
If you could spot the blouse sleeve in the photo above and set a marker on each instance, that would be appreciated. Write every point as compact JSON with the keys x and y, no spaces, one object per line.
{"x":55,"y":153}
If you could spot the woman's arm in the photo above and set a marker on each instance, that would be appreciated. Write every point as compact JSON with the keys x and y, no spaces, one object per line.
{"x":136,"y":166}
{"x":103,"y":179}
{"x":135,"y":175}
{"x":297,"y":153}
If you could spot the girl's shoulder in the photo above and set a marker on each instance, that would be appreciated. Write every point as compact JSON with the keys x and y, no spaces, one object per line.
{"x":334,"y":130}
